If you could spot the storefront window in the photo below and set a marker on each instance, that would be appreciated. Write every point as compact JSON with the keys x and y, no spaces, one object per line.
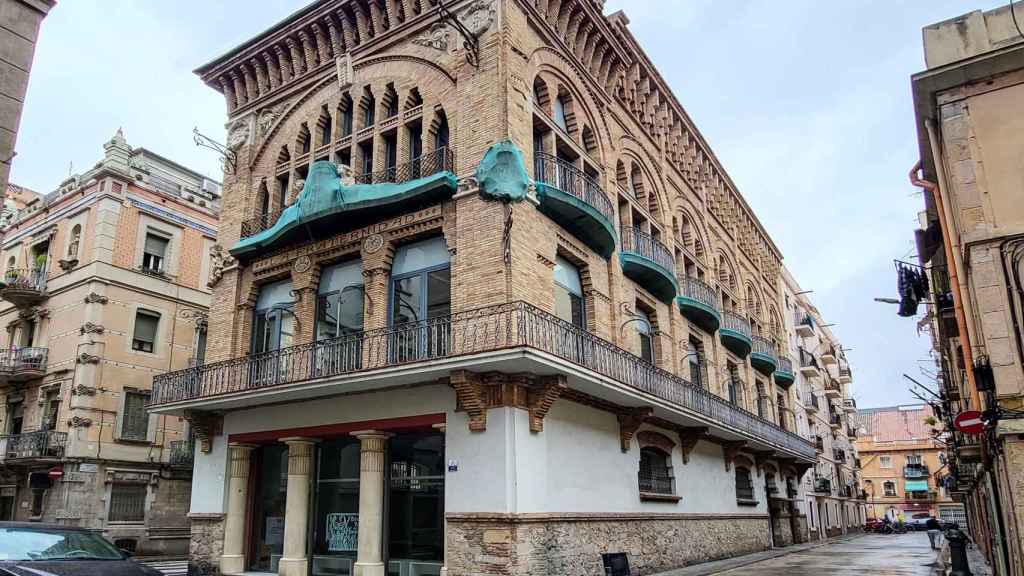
{"x":415,"y":506}
{"x":336,"y":524}
{"x":271,"y":465}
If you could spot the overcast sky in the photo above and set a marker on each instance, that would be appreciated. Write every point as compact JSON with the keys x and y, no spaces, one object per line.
{"x":806,"y":103}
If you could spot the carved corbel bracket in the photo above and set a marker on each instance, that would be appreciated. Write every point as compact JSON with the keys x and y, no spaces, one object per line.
{"x":688,"y":439}
{"x":94,"y":298}
{"x":83,"y":390}
{"x":79,"y":422}
{"x":630,"y":422}
{"x":760,"y":458}
{"x":91,"y":328}
{"x":541,"y":398}
{"x":85,"y":358}
{"x":204,"y":426}
{"x":67,"y":265}
{"x":730,"y":450}
{"x":469,"y":391}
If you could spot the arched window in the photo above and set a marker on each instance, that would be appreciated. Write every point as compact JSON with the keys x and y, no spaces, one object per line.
{"x":305,"y":140}
{"x":744,"y":485}
{"x":568,"y":293}
{"x":769,"y":483}
{"x":368,"y":106}
{"x":73,"y":242}
{"x":284,"y":156}
{"x":698,"y":368}
{"x":762,"y":400}
{"x":264,"y":199}
{"x":589,"y":141}
{"x":645,"y":331}
{"x":655,"y":475}
{"x":559,"y":114}
{"x":10,"y":263}
{"x":733,"y":384}
{"x":541,"y":96}
{"x":890,"y":488}
{"x":439,"y":127}
{"x":389,"y":102}
{"x":413,"y":99}
{"x":345,"y":116}
{"x":324,"y":127}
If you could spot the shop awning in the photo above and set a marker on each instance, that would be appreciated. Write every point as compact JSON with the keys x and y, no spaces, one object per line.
{"x":915,"y":486}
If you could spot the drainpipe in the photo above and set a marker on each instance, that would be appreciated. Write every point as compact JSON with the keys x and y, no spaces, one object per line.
{"x":953,"y":263}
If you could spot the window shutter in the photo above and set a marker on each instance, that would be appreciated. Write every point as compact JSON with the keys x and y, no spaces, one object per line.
{"x":135,"y":422}
{"x":145,"y":327}
{"x":156,"y":245}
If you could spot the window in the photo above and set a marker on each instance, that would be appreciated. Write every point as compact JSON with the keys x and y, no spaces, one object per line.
{"x":134,"y":419}
{"x":199,"y":348}
{"x":144,"y":336}
{"x":74,"y":240}
{"x":560,"y":113}
{"x":52,"y":410}
{"x":154,"y":251}
{"x":273,"y":324}
{"x":127,"y":503}
{"x":769,"y":481}
{"x":441,"y":133}
{"x":890,"y":488}
{"x":645,"y":331}
{"x":914,"y":460}
{"x":368,"y":111}
{"x":734,"y":385}
{"x":421,"y":299}
{"x":762,"y":400}
{"x":695,"y":355}
{"x":885,"y":461}
{"x":568,"y":293}
{"x":655,"y":472}
{"x":340,"y":301}
{"x":744,"y":485}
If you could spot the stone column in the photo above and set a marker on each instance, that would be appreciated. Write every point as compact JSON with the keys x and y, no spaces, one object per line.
{"x":295,"y":561}
{"x":369,"y":555}
{"x":232,"y":560}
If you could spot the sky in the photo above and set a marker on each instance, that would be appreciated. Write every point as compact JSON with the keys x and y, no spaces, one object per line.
{"x":806,"y":103}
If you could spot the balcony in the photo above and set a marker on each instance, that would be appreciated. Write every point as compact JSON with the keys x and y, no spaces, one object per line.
{"x":324,"y":199}
{"x":822,"y":485}
{"x":576,"y":201}
{"x":181,"y":453}
{"x":833,"y":389}
{"x":698,"y":302}
{"x":839,"y":455}
{"x":809,"y":365}
{"x":811,"y":403}
{"x":850,"y":405}
{"x":514,"y":337}
{"x":784,"y":375}
{"x":804,"y":325}
{"x":735,"y":333}
{"x":763,"y":355}
{"x":835,"y":421}
{"x":829,"y":356}
{"x":819,"y":444}
{"x":845,"y":376}
{"x":41,"y":445}
{"x":22,"y":364}
{"x":649,"y":263}
{"x":24,"y":287}
{"x":915,"y":471}
{"x":851,"y":432}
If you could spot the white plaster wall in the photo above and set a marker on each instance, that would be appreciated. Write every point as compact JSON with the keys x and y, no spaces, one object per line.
{"x":576,"y":465}
{"x":209,"y":478}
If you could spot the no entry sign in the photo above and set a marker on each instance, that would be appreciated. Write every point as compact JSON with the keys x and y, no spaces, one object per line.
{"x":969,"y":422}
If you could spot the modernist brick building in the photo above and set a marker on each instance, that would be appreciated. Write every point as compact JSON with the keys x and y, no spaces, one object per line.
{"x":104,"y":280}
{"x":492,"y":305}
{"x":969,"y":112}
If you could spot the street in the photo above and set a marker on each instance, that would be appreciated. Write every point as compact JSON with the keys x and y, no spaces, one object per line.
{"x":898,"y":554}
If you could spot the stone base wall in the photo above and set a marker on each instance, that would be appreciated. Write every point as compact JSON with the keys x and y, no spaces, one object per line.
{"x":782,"y":530}
{"x":800,"y":533}
{"x":572,"y":545}
{"x":206,"y":544}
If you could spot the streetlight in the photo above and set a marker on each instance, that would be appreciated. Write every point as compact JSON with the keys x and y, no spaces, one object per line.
{"x":887,"y":300}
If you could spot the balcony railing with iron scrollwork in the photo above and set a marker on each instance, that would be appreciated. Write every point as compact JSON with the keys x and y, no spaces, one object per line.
{"x":807,"y":359}
{"x":43,"y":444}
{"x":785,"y":365}
{"x":440,"y":160}
{"x":25,"y":279}
{"x":561,"y":174}
{"x":513,"y":325}
{"x":642,"y":244}
{"x":698,"y":290}
{"x":181,"y":452}
{"x":764,"y":346}
{"x":16,"y":360}
{"x":736,"y":323}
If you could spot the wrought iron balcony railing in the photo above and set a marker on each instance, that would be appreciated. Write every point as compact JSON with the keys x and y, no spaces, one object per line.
{"x":822,"y":485}
{"x":181,"y":452}
{"x":513,"y":325}
{"x":440,"y":160}
{"x":43,"y":444}
{"x":807,"y":359}
{"x":645,"y":245}
{"x":915,"y":471}
{"x":654,"y":483}
{"x":736,"y":323}
{"x":785,"y":364}
{"x":561,"y":174}
{"x":765,"y":346}
{"x":698,"y":290}
{"x":25,"y":279}
{"x":19,"y":360}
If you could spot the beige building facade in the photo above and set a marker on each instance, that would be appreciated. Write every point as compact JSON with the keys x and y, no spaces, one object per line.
{"x":490,"y":305}
{"x":968,"y":106}
{"x":105,"y":284}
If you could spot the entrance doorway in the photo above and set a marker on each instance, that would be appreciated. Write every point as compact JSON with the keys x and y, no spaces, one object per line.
{"x":415,"y":505}
{"x":270,"y":479}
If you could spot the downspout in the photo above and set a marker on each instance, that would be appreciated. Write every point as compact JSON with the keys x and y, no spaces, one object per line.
{"x":953,"y":263}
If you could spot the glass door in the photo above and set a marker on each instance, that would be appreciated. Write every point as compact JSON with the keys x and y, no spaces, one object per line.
{"x":415,"y":504}
{"x":271,"y":479}
{"x":421,"y":301}
{"x":336,"y":508}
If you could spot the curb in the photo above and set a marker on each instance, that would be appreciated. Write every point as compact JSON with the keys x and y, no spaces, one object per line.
{"x":726,"y":564}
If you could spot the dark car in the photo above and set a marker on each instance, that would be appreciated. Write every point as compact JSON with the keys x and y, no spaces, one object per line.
{"x":44,"y":549}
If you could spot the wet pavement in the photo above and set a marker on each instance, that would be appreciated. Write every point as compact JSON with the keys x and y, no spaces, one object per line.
{"x":876,"y":554}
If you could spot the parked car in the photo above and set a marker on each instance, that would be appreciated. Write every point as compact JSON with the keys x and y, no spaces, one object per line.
{"x":49,"y":549}
{"x":918,"y":521}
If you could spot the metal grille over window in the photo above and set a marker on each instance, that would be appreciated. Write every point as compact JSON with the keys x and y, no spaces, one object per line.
{"x":655,"y":476}
{"x":127,"y":503}
{"x":744,"y":485}
{"x":135,"y":422}
{"x":145,"y":331}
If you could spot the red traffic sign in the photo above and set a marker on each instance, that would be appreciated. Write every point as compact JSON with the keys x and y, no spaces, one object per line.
{"x":55,"y":473}
{"x":969,"y":422}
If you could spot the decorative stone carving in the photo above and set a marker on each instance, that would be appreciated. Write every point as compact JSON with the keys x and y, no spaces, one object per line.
{"x":541,"y":398}
{"x":630,"y":422}
{"x":373,"y":243}
{"x":204,"y":425}
{"x":91,"y":328}
{"x":238,"y":133}
{"x":688,"y":439}
{"x":85,"y":358}
{"x":478,"y":17}
{"x":67,"y":265}
{"x":299,"y":185}
{"x":467,"y":184}
{"x":346,"y":174}
{"x":79,"y":422}
{"x":94,"y":298}
{"x":302,"y":264}
{"x":83,"y":390}
{"x":436,"y":37}
{"x":220,"y":260}
{"x":346,"y":75}
{"x":267,"y":117}
{"x":469,"y":390}
{"x":730,"y":450}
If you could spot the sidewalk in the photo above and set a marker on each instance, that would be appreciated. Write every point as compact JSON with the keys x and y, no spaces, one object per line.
{"x":975,"y":560}
{"x":717,"y":566}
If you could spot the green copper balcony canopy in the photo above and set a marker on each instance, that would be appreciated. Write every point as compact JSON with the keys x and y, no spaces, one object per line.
{"x":576,"y":201}
{"x":326,"y":206}
{"x":763,"y":356}
{"x":784,"y":375}
{"x":735,"y":333}
{"x":698,"y":302}
{"x":649,"y":263}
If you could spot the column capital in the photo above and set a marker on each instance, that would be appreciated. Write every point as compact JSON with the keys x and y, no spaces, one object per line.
{"x":298,"y":440}
{"x":372,"y":435}
{"x":241,"y":446}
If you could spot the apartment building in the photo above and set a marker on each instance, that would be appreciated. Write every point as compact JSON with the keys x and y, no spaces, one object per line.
{"x":831,"y":498}
{"x":491,"y":305}
{"x":904,"y":464}
{"x":105,"y":284}
{"x":968,"y":106}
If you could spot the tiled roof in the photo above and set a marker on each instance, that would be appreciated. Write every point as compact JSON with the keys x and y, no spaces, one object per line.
{"x":895,"y":423}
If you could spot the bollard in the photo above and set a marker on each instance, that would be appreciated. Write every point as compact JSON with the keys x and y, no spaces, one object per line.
{"x":958,"y":552}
